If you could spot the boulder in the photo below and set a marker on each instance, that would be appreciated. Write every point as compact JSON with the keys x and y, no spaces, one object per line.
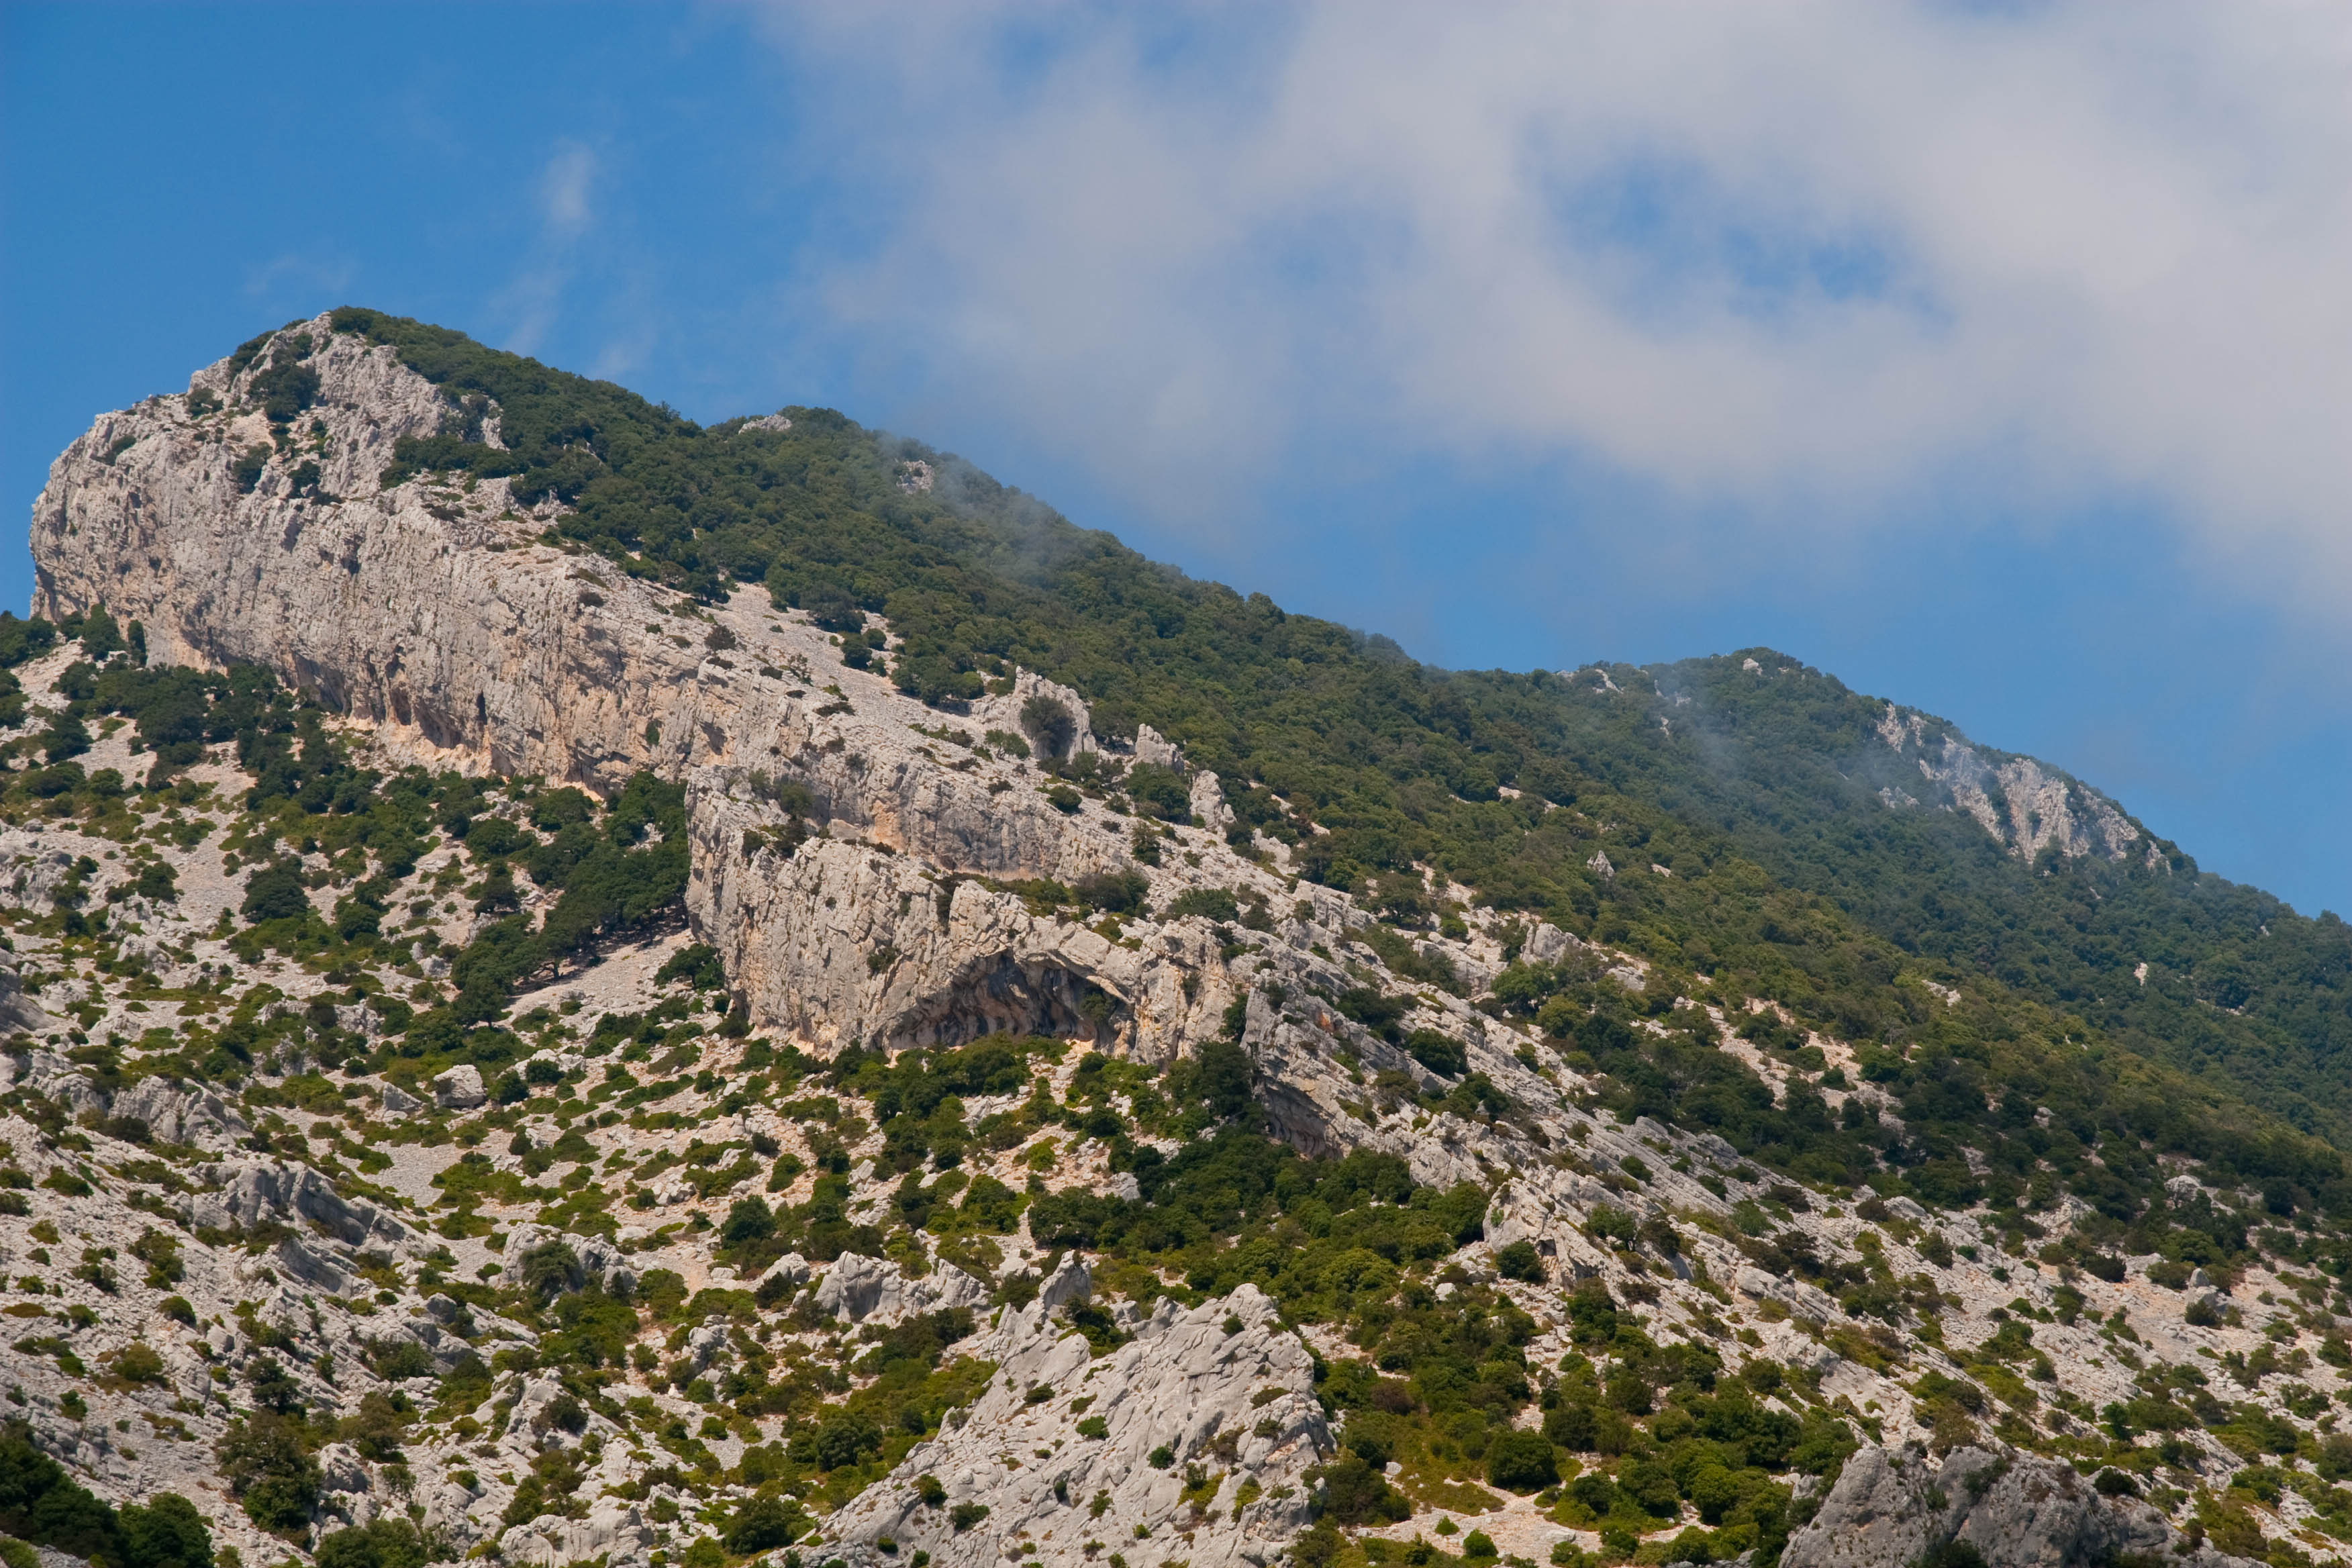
{"x":459,"y":1089}
{"x":790,"y":1272}
{"x":1209,"y":807}
{"x":341,"y":1470}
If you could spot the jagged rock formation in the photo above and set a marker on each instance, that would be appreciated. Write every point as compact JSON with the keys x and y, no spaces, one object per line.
{"x":1893,"y":1510}
{"x":2028,"y":806}
{"x":1204,"y":1422}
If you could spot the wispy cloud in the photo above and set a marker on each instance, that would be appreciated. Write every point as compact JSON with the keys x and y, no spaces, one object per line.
{"x":564,"y":186}
{"x":535,"y":296}
{"x":297,"y":275}
{"x":1815,"y":259}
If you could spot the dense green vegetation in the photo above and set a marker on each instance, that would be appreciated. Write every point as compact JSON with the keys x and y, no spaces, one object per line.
{"x":39,"y":1503}
{"x":2241,"y":989}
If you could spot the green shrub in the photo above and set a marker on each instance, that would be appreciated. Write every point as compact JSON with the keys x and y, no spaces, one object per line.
{"x":1520,"y":1260}
{"x":1355,"y":1494}
{"x":1160,"y":791}
{"x":1571,"y":1426}
{"x":246,"y":471}
{"x":393,"y":1359}
{"x":761,"y":1523}
{"x":275,"y":893}
{"x":386,"y":1542}
{"x":1440,"y":1053}
{"x":1049,"y":723}
{"x":1204,"y":903}
{"x":844,"y":1439}
{"x":140,"y":1363}
{"x":750,"y":1219}
{"x":1118,"y":893}
{"x":1521,"y":1462}
{"x":267,"y":1464}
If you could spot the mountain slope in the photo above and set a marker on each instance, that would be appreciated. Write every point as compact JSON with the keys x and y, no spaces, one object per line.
{"x":1396,"y":765}
{"x":1997,"y":866}
{"x":593,"y":987}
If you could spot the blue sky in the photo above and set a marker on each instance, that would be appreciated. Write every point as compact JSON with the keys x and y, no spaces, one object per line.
{"x":1987,"y":358}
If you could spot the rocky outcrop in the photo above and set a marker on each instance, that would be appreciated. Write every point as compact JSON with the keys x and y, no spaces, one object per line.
{"x":180,"y":1113}
{"x":2026,"y":806}
{"x":613,"y":1532}
{"x":248,"y":1192}
{"x":17,"y":1010}
{"x":838,"y":940}
{"x":589,"y":1258}
{"x":1204,"y":1422}
{"x":860,"y":1289}
{"x":437,"y":613}
{"x":1891,"y":1511}
{"x":459,"y":1089}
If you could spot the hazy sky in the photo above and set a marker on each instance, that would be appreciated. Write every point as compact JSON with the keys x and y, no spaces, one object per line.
{"x":1996,"y":358}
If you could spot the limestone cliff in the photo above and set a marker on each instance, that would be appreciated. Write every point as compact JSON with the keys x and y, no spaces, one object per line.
{"x":2024,"y":804}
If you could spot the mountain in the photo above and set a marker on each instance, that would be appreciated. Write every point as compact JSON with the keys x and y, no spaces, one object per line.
{"x":593,"y":987}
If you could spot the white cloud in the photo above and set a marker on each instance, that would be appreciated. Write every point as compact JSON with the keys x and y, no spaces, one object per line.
{"x":1810,"y":259}
{"x":563,"y":188}
{"x":298,"y":275}
{"x":534,"y":297}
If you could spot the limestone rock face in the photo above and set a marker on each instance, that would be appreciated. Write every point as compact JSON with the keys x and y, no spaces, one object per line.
{"x":2027,"y":806}
{"x":859,"y":1290}
{"x":840,"y":940}
{"x":17,"y":1011}
{"x":1223,"y":1389}
{"x":180,"y":1113}
{"x":1889,"y":1512}
{"x":245,"y":1192}
{"x":842,"y":853}
{"x":613,"y":1528}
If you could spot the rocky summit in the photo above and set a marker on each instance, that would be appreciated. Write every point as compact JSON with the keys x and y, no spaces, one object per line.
{"x":584,"y":988}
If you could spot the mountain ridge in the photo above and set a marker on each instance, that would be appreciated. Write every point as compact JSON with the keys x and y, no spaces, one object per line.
{"x":1051,"y":1059}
